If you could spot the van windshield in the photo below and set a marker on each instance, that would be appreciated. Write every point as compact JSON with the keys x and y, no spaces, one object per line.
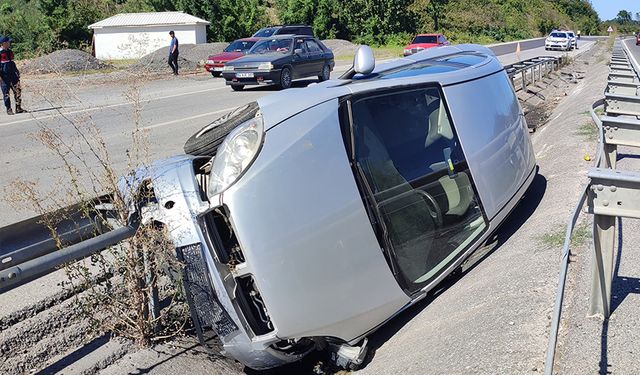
{"x":272,"y":45}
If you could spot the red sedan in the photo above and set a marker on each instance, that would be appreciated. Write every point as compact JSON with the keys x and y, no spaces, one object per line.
{"x":236,"y":49}
{"x":424,"y":41}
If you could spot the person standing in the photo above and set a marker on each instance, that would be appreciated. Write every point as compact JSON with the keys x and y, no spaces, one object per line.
{"x":173,"y":53}
{"x":9,"y":76}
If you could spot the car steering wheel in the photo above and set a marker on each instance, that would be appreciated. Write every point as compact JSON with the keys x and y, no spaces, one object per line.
{"x":436,"y":212}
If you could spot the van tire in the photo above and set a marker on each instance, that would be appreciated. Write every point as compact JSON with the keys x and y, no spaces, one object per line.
{"x":206,"y":141}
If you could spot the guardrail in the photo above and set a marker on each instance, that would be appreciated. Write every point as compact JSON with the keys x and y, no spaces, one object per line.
{"x":610,"y":193}
{"x":38,"y":246}
{"x":531,"y":70}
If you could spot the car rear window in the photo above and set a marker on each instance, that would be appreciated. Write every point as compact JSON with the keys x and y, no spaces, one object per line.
{"x":425,"y":39}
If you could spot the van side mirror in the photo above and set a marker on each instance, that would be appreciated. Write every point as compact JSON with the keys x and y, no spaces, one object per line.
{"x":363,"y":62}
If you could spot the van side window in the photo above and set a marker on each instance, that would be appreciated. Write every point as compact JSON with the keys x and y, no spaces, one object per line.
{"x":410,"y":156}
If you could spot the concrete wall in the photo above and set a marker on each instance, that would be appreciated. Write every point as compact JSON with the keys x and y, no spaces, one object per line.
{"x":116,"y":43}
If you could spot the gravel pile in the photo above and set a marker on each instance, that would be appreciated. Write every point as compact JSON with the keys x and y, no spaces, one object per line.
{"x":341,"y":47}
{"x":199,"y":52}
{"x":66,"y":60}
{"x":191,"y":57}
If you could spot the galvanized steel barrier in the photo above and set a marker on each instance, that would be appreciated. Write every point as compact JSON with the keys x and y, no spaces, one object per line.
{"x":531,"y":70}
{"x":610,"y":193}
{"x":30,"y":249}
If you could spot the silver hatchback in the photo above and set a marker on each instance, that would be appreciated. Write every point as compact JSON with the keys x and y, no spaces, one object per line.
{"x":324,"y":211}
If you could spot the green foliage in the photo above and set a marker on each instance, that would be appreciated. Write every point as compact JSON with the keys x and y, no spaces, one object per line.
{"x":479,"y":21}
{"x":40,"y":26}
{"x":24,"y":24}
{"x":230,"y":19}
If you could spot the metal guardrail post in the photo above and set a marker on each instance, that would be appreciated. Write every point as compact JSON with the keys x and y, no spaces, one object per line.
{"x":611,"y":194}
{"x":623,"y":77}
{"x":532,"y":70}
{"x":622,"y":88}
{"x":618,"y":104}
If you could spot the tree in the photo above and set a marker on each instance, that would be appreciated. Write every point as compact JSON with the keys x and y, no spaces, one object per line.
{"x":623,"y":17}
{"x":435,"y":8}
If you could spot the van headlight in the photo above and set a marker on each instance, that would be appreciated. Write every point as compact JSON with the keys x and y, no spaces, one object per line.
{"x":235,"y":154}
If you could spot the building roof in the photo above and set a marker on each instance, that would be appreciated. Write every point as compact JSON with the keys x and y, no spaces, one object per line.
{"x":149,"y":19}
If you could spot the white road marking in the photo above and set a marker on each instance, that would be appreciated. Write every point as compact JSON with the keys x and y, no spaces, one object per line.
{"x":188,"y":118}
{"x":98,"y":108}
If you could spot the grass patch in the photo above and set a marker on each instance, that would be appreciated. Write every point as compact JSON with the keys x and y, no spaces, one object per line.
{"x":381,"y":53}
{"x":555,"y":239}
{"x":588,"y":130}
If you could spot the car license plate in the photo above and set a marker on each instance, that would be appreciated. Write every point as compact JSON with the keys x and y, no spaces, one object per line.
{"x":244,"y":75}
{"x":217,"y":68}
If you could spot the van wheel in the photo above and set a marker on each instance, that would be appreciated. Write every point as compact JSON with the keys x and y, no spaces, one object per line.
{"x":216,"y":74}
{"x":237,"y":87}
{"x":206,"y":141}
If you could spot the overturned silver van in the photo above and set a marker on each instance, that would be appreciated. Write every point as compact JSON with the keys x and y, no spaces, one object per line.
{"x":312,"y":216}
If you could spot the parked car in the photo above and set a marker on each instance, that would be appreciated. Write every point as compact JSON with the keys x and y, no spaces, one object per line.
{"x":236,"y":49}
{"x":313,"y":216}
{"x":280,"y":60}
{"x":573,"y":38}
{"x":269,"y":31}
{"x":425,"y":41}
{"x":558,"y":40}
{"x":637,"y":39}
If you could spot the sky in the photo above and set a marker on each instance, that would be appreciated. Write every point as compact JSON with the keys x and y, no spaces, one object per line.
{"x":608,"y":9}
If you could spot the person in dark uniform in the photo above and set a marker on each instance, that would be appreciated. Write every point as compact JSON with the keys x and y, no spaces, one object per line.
{"x":173,"y":53}
{"x":9,"y":76}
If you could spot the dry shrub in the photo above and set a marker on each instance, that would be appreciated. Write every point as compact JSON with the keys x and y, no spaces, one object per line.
{"x":131,"y":289}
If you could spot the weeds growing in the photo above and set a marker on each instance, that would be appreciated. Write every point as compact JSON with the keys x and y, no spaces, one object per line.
{"x":588,"y":130}
{"x":555,"y":239}
{"x":137,"y":295}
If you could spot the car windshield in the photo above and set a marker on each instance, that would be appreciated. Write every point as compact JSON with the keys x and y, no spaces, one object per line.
{"x":272,"y":45}
{"x":558,"y":35}
{"x":240,"y":46}
{"x":425,"y":39}
{"x":265,"y":33}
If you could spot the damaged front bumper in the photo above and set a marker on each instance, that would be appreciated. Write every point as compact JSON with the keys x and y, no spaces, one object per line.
{"x":182,"y":208}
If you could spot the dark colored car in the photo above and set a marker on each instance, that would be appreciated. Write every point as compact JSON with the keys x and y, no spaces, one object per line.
{"x":236,"y":49}
{"x":637,"y":39}
{"x":269,"y":31}
{"x":425,"y":41}
{"x":280,"y":60}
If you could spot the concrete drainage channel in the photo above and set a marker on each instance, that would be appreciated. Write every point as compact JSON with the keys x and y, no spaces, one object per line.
{"x":48,"y":336}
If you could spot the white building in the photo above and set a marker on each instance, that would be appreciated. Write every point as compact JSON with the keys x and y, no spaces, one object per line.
{"x":133,"y":35}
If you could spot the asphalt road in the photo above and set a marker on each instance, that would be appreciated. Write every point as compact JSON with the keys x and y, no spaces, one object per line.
{"x":507,"y":48}
{"x":169,"y":109}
